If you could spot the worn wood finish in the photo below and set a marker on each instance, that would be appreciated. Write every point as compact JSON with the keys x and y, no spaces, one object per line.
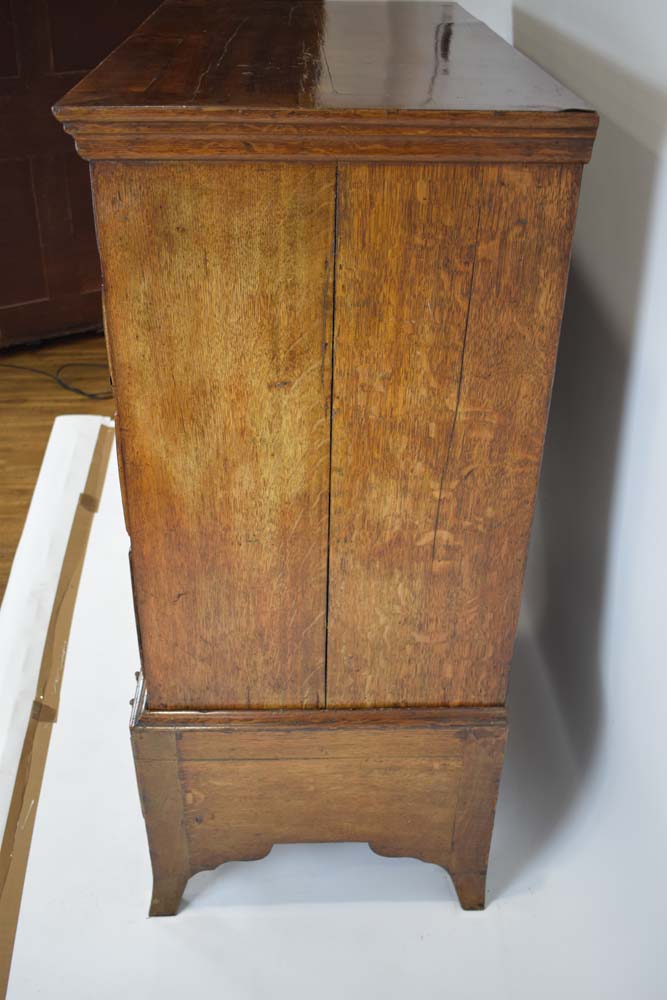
{"x":222,"y":373}
{"x":408,"y":783}
{"x":332,"y":363}
{"x":323,"y":56}
{"x":316,"y":80}
{"x":439,"y":416}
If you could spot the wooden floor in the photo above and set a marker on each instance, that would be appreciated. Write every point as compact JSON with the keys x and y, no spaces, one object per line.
{"x":29,"y":404}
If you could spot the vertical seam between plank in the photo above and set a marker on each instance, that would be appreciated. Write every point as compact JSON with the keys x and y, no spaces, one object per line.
{"x":331,"y":420}
{"x":450,"y":441}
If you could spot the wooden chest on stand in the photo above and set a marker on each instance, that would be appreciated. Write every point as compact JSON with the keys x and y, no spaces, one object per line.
{"x":335,"y":242}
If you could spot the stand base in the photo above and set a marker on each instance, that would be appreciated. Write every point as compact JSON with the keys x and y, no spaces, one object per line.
{"x":227,"y":785}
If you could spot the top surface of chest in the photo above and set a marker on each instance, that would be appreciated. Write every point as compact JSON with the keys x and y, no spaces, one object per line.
{"x":311,"y":58}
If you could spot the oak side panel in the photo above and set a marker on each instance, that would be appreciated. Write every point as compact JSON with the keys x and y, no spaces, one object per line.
{"x":218,"y":283}
{"x":441,"y":386}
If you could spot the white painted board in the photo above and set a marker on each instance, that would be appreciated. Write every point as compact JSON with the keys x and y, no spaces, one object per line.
{"x":576,"y":883}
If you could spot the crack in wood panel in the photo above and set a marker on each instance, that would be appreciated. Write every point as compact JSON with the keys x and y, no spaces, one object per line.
{"x":444,"y":366}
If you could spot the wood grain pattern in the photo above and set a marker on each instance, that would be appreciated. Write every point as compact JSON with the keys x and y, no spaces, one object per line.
{"x":308,"y":79}
{"x":441,"y":388}
{"x":332,"y":382}
{"x":432,"y":797}
{"x":303,"y":55}
{"x":309,"y":734}
{"x":218,"y":312}
{"x":452,"y":138}
{"x":162,"y":796}
{"x":318,"y":800}
{"x":473,"y":827}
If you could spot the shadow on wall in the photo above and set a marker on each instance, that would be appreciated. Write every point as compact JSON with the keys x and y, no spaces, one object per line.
{"x":564,"y":598}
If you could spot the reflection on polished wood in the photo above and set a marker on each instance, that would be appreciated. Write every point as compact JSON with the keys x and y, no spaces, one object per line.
{"x":319,"y":56}
{"x":313,"y":80}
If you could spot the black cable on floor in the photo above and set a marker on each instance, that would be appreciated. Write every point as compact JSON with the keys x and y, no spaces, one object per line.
{"x":59,"y":380}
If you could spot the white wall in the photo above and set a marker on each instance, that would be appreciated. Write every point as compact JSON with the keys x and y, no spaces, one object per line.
{"x":590,"y":660}
{"x":596,"y":593}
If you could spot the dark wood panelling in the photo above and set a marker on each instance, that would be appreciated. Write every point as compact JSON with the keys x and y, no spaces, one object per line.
{"x":9,"y":64}
{"x":104,"y":26}
{"x":62,"y":195}
{"x":21,"y":264}
{"x":49,"y":269}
